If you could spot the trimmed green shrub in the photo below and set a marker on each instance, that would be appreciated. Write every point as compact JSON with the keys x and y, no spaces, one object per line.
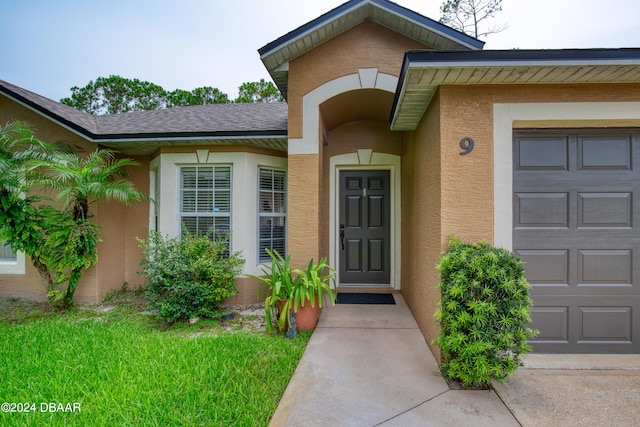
{"x":483,"y":311}
{"x":189,"y":276}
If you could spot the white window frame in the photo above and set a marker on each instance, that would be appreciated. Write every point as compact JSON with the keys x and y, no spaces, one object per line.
{"x":262,"y":258}
{"x":212,"y":214}
{"x":245,"y":170}
{"x":13,"y":266}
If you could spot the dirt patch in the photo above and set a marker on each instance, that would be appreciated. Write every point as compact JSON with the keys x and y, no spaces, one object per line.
{"x":244,"y":318}
{"x":14,"y":309}
{"x":457,"y":385}
{"x":249,"y":317}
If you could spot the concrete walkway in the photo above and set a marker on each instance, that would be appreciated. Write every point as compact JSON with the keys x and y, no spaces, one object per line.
{"x":575,"y":390}
{"x":369,"y":365}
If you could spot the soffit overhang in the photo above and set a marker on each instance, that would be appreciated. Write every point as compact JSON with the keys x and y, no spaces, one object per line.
{"x":139,"y":145}
{"x":277,"y":54}
{"x":424,"y":71}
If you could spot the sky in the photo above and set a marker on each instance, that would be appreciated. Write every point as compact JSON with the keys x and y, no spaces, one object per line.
{"x":49,"y":46}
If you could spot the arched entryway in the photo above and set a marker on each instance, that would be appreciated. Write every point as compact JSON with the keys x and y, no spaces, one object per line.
{"x":355,"y":145}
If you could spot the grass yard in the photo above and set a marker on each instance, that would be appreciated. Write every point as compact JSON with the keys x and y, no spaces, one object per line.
{"x":121,"y":367}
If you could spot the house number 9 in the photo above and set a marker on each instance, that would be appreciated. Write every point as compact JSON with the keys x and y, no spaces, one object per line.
{"x":467,"y":145}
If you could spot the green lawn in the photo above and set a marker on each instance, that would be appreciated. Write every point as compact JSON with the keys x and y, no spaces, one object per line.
{"x":120,"y":368}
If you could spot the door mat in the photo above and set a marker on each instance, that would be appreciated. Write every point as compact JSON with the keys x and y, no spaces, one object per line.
{"x":358,"y":298}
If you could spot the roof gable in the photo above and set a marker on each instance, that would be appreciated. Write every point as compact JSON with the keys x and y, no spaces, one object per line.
{"x":277,"y":54}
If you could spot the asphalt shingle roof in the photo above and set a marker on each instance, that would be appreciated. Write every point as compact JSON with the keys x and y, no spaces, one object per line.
{"x":217,"y":120}
{"x":63,"y":113}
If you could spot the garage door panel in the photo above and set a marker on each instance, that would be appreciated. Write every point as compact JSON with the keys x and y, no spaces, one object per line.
{"x":546,"y":267}
{"x":577,"y":228}
{"x":584,"y":326}
{"x":605,"y":324}
{"x":600,"y":265}
{"x":605,"y":267}
{"x":550,"y":153}
{"x":552,"y":322}
{"x":605,"y":210}
{"x":604,"y":153}
{"x":542,"y":210}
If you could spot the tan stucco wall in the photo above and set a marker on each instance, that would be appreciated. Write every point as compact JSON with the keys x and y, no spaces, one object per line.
{"x":368,"y":45}
{"x":468,"y":111}
{"x":445,"y":193}
{"x":247,"y":292}
{"x":303,"y":208}
{"x":118,"y":254}
{"x":421,"y":218}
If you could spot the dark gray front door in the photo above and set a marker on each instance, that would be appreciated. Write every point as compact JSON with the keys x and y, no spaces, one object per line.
{"x":364,"y":227}
{"x":577,"y":227}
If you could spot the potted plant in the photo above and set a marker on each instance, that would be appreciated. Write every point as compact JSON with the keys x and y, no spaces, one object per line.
{"x":291,"y":293}
{"x":308,"y":293}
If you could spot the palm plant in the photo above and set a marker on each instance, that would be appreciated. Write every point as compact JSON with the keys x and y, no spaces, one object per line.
{"x":20,"y":220}
{"x":60,"y":240}
{"x":81,"y":182}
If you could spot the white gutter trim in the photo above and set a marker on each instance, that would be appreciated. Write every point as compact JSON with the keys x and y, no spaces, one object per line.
{"x":515,"y":63}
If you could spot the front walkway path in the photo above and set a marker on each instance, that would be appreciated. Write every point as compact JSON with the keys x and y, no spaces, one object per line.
{"x":369,"y":365}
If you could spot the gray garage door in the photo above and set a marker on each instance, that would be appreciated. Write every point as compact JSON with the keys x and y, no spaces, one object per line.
{"x":576,"y":210}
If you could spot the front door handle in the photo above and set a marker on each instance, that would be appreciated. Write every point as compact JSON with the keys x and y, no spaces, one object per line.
{"x":342,"y":236}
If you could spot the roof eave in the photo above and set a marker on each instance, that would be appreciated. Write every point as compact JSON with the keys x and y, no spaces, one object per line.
{"x":424,"y":71}
{"x":190,"y":135}
{"x":147,"y":144}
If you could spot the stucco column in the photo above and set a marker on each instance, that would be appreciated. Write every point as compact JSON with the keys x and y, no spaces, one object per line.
{"x":303,"y":208}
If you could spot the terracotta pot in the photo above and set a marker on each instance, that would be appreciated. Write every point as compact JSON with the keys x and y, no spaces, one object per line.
{"x":306,"y":317}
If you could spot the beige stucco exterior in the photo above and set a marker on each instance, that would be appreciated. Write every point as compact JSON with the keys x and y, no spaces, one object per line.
{"x":340,"y":96}
{"x":366,"y":46}
{"x":118,"y":253}
{"x":422,"y":214}
{"x":454,"y":194}
{"x":348,"y":121}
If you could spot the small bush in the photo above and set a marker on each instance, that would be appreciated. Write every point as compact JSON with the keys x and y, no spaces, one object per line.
{"x":189,"y":276}
{"x":483,"y":311}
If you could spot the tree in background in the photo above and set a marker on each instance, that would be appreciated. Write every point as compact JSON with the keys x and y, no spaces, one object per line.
{"x":468,"y":16}
{"x":262,"y":91}
{"x":115,"y":95}
{"x":198,"y":96}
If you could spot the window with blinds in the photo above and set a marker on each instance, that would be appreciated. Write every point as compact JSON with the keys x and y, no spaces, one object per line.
{"x":272,"y":212}
{"x":205,"y":199}
{"x":6,"y":253}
